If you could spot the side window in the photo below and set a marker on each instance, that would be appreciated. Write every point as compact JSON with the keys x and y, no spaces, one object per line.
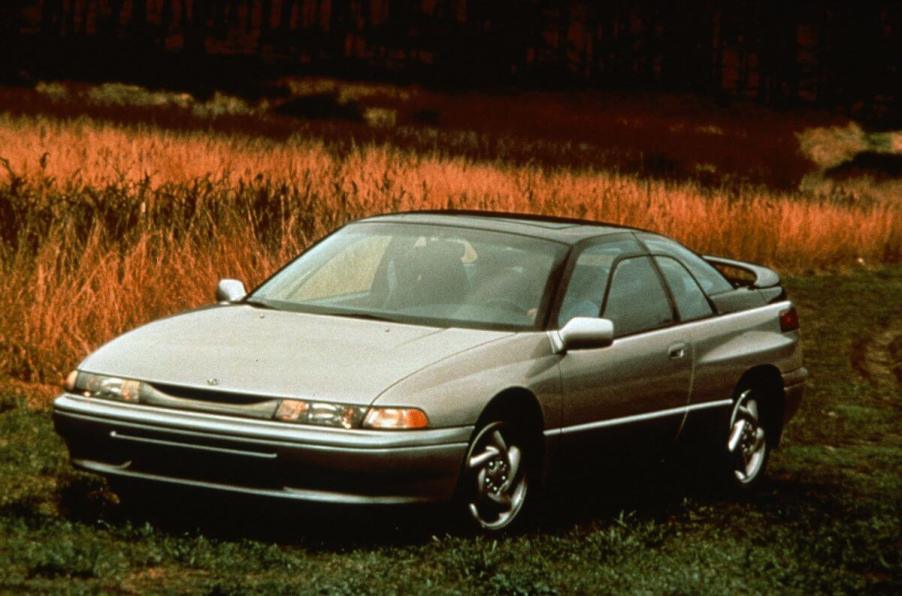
{"x":690,"y":300}
{"x":589,"y":278}
{"x":636,"y":301}
{"x":711,"y":280}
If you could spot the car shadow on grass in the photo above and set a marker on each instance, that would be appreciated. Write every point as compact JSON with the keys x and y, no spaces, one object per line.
{"x":226,"y":516}
{"x":653,"y":492}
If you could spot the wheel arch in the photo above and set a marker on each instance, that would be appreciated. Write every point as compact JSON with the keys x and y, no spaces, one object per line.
{"x":521,"y":405}
{"x":767,"y":379}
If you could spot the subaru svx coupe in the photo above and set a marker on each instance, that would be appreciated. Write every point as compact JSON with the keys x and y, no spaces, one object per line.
{"x":460,"y":356}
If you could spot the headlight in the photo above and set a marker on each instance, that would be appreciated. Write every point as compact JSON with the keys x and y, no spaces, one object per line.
{"x":319,"y":413}
{"x":103,"y":387}
{"x":344,"y":416}
{"x":289,"y":410}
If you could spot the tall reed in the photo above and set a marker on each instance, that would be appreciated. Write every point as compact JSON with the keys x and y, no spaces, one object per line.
{"x":105,"y":227}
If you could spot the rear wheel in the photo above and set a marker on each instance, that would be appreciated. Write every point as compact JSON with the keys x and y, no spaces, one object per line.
{"x":496,"y":476}
{"x":748,"y":442}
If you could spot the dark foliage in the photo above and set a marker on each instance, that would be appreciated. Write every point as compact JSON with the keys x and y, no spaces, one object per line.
{"x":879,"y":166}
{"x":832,"y":52}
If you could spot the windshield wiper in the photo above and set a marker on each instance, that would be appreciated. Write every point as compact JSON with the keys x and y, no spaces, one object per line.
{"x":259,"y":303}
{"x":361,"y":315}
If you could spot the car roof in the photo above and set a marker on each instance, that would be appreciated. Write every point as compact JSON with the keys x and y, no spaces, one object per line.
{"x":558,"y":229}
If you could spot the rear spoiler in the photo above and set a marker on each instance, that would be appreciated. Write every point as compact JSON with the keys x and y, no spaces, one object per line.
{"x":763,"y":289}
{"x":764,"y":277}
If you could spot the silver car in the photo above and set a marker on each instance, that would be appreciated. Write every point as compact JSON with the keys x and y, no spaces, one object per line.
{"x":447,"y":356}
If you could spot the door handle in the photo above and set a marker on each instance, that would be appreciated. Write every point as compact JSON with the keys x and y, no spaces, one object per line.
{"x":677,"y":351}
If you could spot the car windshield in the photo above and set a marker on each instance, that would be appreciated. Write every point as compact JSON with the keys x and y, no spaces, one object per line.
{"x":425,"y":274}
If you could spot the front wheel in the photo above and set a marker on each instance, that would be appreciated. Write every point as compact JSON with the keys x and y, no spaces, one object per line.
{"x":748,"y":444}
{"x":496,"y":478}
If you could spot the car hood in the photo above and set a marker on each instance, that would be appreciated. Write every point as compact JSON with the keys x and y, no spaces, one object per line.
{"x":249,"y":350}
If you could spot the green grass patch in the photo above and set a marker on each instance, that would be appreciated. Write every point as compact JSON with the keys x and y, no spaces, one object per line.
{"x":828,"y":521}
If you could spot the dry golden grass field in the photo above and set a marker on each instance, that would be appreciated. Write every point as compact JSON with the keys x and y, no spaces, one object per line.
{"x":119,"y":205}
{"x":105,"y":225}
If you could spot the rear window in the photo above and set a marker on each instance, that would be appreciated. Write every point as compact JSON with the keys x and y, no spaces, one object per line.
{"x":690,"y":301}
{"x":709,"y":278}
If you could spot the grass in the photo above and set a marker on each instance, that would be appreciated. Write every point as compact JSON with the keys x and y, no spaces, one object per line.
{"x":119,"y":205}
{"x":827,"y":521}
{"x":105,"y":226}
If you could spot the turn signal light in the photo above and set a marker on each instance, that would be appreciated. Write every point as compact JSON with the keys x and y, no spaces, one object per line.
{"x":395,"y":419}
{"x":71,"y":380}
{"x":789,"y":319}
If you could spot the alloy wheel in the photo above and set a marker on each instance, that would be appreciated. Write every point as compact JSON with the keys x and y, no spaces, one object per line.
{"x":497,"y":477}
{"x":747,"y":443}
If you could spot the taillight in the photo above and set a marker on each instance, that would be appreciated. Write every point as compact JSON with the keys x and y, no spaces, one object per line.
{"x":789,"y":319}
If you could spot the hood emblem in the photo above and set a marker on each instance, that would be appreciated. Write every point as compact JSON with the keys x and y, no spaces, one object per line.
{"x":212,"y":381}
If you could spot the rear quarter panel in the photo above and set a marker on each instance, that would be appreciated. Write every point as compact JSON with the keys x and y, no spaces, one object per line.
{"x":725,"y":348}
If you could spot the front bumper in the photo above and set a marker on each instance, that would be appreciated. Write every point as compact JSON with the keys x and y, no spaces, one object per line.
{"x":261,"y":457}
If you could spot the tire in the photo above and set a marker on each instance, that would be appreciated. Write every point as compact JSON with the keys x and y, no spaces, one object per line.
{"x":495,"y":482}
{"x":749,"y":440}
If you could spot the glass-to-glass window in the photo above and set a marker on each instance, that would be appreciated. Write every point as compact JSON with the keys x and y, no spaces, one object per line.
{"x":710,"y":279}
{"x":589,"y":278}
{"x":637,"y":301}
{"x":690,"y":301}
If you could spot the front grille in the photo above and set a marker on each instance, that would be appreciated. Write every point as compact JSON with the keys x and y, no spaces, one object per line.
{"x":209,"y":395}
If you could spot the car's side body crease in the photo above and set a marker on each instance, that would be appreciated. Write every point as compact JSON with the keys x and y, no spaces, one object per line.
{"x":637,"y":418}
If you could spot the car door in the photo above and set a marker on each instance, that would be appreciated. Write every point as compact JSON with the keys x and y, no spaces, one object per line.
{"x":693,"y":306}
{"x":627,"y":400}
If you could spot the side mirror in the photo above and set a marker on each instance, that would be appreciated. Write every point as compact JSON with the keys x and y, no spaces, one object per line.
{"x":230,"y":290}
{"x":583,"y":333}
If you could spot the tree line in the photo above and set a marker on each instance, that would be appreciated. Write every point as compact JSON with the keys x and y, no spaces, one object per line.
{"x":830,"y":51}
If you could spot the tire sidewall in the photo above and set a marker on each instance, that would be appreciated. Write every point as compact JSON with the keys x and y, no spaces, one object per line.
{"x":466,"y":483}
{"x":729,"y":459}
